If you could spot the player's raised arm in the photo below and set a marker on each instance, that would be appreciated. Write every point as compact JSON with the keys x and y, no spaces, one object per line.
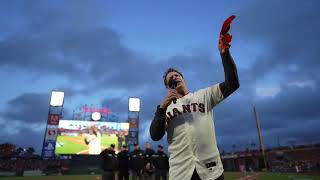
{"x":231,"y":82}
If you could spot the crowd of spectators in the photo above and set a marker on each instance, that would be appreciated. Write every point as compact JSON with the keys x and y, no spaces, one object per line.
{"x":47,"y":166}
{"x":300,"y":160}
{"x":304,"y":159}
{"x":300,"y":166}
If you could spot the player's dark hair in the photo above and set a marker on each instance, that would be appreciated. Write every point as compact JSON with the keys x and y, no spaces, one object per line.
{"x":95,"y":131}
{"x":167,"y":72}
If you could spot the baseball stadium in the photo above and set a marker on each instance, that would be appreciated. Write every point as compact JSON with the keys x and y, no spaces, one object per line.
{"x":67,"y":155}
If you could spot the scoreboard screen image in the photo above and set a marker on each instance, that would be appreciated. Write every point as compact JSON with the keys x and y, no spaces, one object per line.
{"x":89,"y":137}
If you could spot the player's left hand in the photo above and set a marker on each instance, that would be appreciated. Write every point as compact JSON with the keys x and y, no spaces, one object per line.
{"x":224,"y":37}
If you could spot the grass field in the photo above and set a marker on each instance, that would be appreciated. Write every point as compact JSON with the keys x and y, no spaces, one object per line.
{"x":76,"y":144}
{"x":228,"y":176}
{"x":70,"y":177}
{"x":268,"y":176}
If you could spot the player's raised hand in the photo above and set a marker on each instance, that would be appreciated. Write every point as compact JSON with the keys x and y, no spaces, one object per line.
{"x":172,"y":94}
{"x":224,"y":37}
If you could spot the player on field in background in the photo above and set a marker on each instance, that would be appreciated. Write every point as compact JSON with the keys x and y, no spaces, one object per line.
{"x":124,"y":160}
{"x":121,"y":139}
{"x":109,"y":163}
{"x":137,"y":162}
{"x":148,"y":166}
{"x":161,"y":163}
{"x":93,"y":140}
{"x":188,"y":119}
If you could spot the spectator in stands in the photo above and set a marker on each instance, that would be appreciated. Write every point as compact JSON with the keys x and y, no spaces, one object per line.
{"x":148,"y":172}
{"x":161,"y":163}
{"x":109,"y":163}
{"x":124,"y":160}
{"x":137,"y":162}
{"x":65,"y":167}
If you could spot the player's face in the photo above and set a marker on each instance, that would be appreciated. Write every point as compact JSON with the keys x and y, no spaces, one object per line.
{"x":177,"y":77}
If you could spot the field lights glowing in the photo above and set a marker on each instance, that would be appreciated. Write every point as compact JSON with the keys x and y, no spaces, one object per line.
{"x":134,"y":104}
{"x":57,"y":98}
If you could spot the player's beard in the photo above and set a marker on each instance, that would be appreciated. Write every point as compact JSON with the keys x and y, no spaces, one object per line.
{"x":181,"y":89}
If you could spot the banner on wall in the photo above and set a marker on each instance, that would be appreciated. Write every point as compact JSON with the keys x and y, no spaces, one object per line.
{"x":53,"y":119}
{"x":133,"y":123}
{"x":48,"y":148}
{"x":51,"y":133}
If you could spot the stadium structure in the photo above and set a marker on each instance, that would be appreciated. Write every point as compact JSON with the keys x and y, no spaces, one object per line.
{"x":90,"y":131}
{"x":66,"y":149}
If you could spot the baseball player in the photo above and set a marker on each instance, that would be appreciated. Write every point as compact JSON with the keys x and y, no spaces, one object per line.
{"x":136,"y":162}
{"x":124,"y":160}
{"x":109,"y":163}
{"x":93,"y":140}
{"x":148,"y":166}
{"x":161,"y":163}
{"x":187,"y":117}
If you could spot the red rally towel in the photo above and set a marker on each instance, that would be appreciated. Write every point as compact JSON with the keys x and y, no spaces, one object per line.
{"x":225,"y":37}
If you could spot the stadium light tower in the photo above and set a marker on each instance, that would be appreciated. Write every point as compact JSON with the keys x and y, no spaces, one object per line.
{"x":134,"y":104}
{"x":57,"y":98}
{"x":133,"y":119}
{"x":55,"y":112}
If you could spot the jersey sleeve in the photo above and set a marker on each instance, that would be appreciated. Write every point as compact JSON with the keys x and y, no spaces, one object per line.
{"x":211,"y":96}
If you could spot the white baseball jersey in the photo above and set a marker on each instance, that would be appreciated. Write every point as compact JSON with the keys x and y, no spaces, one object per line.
{"x":191,"y":135}
{"x":94,"y":143}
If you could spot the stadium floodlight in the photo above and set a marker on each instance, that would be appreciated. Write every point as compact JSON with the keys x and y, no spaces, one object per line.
{"x":57,"y":98}
{"x":96,"y":116}
{"x":134,"y":104}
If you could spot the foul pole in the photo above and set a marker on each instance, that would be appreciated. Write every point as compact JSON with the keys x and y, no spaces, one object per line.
{"x":260,"y":137}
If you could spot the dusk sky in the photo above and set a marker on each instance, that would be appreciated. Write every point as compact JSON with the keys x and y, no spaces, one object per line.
{"x":102,"y":52}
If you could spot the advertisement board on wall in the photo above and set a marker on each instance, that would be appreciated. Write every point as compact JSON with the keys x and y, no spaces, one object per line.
{"x":48,"y":148}
{"x":53,"y":119}
{"x":134,"y":123}
{"x":51,"y":133}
